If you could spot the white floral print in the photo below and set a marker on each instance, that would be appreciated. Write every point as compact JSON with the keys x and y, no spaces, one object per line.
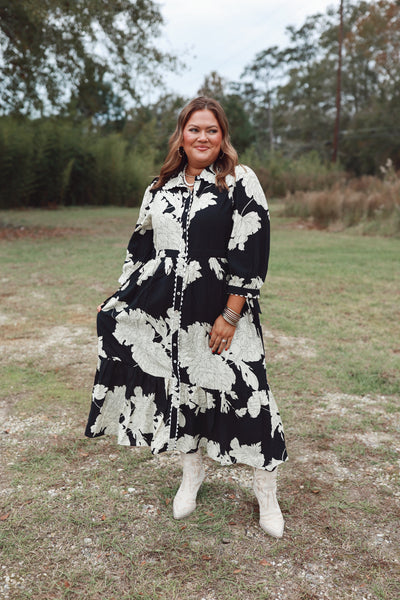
{"x":158,"y":383}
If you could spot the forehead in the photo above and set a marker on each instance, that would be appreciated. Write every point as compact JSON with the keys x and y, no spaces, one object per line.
{"x":204,"y":118}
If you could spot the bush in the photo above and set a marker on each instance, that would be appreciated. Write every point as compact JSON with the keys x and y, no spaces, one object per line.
{"x":50,"y":162}
{"x":280,"y":176}
{"x":367,"y":201}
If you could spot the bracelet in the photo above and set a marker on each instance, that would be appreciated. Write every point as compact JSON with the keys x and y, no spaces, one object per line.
{"x":231,"y":316}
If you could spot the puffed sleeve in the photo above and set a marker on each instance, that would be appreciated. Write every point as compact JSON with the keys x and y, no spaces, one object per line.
{"x":140,"y":245}
{"x":248,"y":249}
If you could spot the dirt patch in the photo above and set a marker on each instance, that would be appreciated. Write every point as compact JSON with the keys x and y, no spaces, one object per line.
{"x":287,"y":347}
{"x":13,"y":232}
{"x":61,"y":345}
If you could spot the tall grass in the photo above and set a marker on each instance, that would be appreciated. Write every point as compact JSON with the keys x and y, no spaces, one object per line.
{"x":280,"y":175}
{"x":371,"y":203}
{"x":50,"y":163}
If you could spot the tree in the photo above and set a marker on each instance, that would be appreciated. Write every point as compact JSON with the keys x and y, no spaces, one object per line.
{"x":94,"y":99}
{"x":47,"y":49}
{"x":241,"y":130}
{"x":265,"y":71}
{"x":338,"y":87}
{"x":298,"y":86}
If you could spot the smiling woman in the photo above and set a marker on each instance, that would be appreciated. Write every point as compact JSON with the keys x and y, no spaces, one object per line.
{"x":181,"y":356}
{"x":202,"y":138}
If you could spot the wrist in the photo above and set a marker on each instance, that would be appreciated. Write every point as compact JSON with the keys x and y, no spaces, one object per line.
{"x":231,"y":316}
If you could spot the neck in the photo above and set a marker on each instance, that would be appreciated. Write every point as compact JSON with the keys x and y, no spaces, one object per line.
{"x":192,"y":171}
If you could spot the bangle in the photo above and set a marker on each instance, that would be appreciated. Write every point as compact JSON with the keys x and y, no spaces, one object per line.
{"x":231,"y":316}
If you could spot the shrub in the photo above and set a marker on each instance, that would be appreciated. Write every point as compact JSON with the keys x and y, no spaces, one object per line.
{"x":53,"y":162}
{"x":370,"y":202}
{"x":280,"y":176}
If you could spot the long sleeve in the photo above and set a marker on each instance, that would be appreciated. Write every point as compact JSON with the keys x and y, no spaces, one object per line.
{"x":248,"y":249}
{"x":140,"y":245}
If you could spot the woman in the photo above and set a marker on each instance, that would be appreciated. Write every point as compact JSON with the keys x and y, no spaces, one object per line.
{"x":181,"y":358}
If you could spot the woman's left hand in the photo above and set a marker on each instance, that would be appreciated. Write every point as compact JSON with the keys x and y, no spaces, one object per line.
{"x":221,"y":335}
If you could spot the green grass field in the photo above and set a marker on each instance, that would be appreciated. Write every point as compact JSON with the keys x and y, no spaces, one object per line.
{"x":88,"y":520}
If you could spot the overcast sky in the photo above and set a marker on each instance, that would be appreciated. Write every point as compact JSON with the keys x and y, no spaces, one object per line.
{"x":225,"y":35}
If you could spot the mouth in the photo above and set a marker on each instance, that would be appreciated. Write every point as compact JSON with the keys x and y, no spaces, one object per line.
{"x":202,"y":148}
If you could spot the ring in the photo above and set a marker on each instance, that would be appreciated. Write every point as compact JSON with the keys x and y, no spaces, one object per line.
{"x":224,"y":340}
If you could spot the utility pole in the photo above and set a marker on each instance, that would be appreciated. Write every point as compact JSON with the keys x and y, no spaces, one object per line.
{"x":338,"y":88}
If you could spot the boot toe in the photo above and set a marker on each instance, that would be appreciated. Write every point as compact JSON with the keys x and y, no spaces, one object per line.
{"x":182,"y":508}
{"x":273,"y":525}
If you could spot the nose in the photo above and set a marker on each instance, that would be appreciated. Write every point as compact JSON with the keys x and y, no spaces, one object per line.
{"x":202,"y":134}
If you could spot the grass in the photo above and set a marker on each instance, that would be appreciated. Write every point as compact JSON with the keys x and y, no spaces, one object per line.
{"x":91,"y":520}
{"x":369,"y":204}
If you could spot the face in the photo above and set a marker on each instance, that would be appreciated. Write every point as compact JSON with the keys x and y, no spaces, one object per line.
{"x":202,"y":136}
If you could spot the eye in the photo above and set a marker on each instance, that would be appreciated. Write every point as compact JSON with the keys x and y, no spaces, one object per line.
{"x":193,"y":129}
{"x":213,"y":131}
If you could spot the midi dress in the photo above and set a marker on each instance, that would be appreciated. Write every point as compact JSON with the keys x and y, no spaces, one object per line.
{"x":158,"y":383}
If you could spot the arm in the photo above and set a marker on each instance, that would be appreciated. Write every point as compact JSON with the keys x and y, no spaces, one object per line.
{"x":248,"y":252}
{"x":140,"y":244}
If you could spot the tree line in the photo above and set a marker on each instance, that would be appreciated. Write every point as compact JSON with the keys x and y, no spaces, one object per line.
{"x":73,"y":75}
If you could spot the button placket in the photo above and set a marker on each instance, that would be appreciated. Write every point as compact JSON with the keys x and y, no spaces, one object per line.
{"x":181,"y":267}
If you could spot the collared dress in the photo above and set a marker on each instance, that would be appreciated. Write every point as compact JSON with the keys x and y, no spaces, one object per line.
{"x":157,"y":383}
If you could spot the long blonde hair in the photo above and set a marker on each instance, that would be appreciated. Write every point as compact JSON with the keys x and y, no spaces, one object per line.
{"x":176,"y":160}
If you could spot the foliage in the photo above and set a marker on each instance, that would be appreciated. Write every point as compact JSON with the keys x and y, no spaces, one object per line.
{"x":148,"y":128}
{"x":241,"y":130}
{"x":368,"y":202}
{"x":100,"y":52}
{"x":290,"y":92}
{"x":54,"y":162}
{"x":280,"y":175}
{"x":281,"y":112}
{"x":49,"y":163}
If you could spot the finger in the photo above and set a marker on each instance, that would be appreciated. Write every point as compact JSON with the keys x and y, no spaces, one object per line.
{"x":223,"y":345}
{"x":216,"y":342}
{"x":216,"y":345}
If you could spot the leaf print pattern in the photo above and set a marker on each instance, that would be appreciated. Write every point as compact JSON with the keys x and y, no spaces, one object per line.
{"x":216,"y":266}
{"x":202,"y":202}
{"x":213,"y":371}
{"x":157,"y":382}
{"x":191,"y":273}
{"x":243,"y":228}
{"x":253,"y":188}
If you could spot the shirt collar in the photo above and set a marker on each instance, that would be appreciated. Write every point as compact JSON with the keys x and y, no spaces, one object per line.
{"x":207,"y":174}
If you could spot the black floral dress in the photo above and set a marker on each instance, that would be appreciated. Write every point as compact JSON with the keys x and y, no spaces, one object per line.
{"x":158,"y":383}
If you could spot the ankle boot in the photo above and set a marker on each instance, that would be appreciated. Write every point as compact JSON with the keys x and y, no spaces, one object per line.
{"x":192,"y":478}
{"x":264,"y":486}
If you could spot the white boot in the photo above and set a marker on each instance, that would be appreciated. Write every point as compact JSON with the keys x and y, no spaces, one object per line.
{"x":264,"y":486}
{"x":192,"y":478}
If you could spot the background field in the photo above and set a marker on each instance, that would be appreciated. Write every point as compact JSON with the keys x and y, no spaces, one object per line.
{"x":90,"y":520}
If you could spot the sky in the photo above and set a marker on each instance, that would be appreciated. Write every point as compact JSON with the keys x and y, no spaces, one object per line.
{"x":226,"y":35}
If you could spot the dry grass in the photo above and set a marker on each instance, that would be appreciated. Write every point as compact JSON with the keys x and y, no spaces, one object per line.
{"x":372,"y":203}
{"x":88,"y":520}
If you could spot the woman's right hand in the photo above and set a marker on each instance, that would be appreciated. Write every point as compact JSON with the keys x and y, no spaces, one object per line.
{"x":99,"y":308}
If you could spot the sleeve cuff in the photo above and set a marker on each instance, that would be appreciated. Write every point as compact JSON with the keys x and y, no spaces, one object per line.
{"x":243,"y":291}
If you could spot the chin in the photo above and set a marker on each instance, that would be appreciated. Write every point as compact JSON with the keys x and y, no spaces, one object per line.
{"x":204,"y":161}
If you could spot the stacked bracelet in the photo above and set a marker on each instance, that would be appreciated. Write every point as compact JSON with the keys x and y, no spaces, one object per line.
{"x":231,"y":316}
